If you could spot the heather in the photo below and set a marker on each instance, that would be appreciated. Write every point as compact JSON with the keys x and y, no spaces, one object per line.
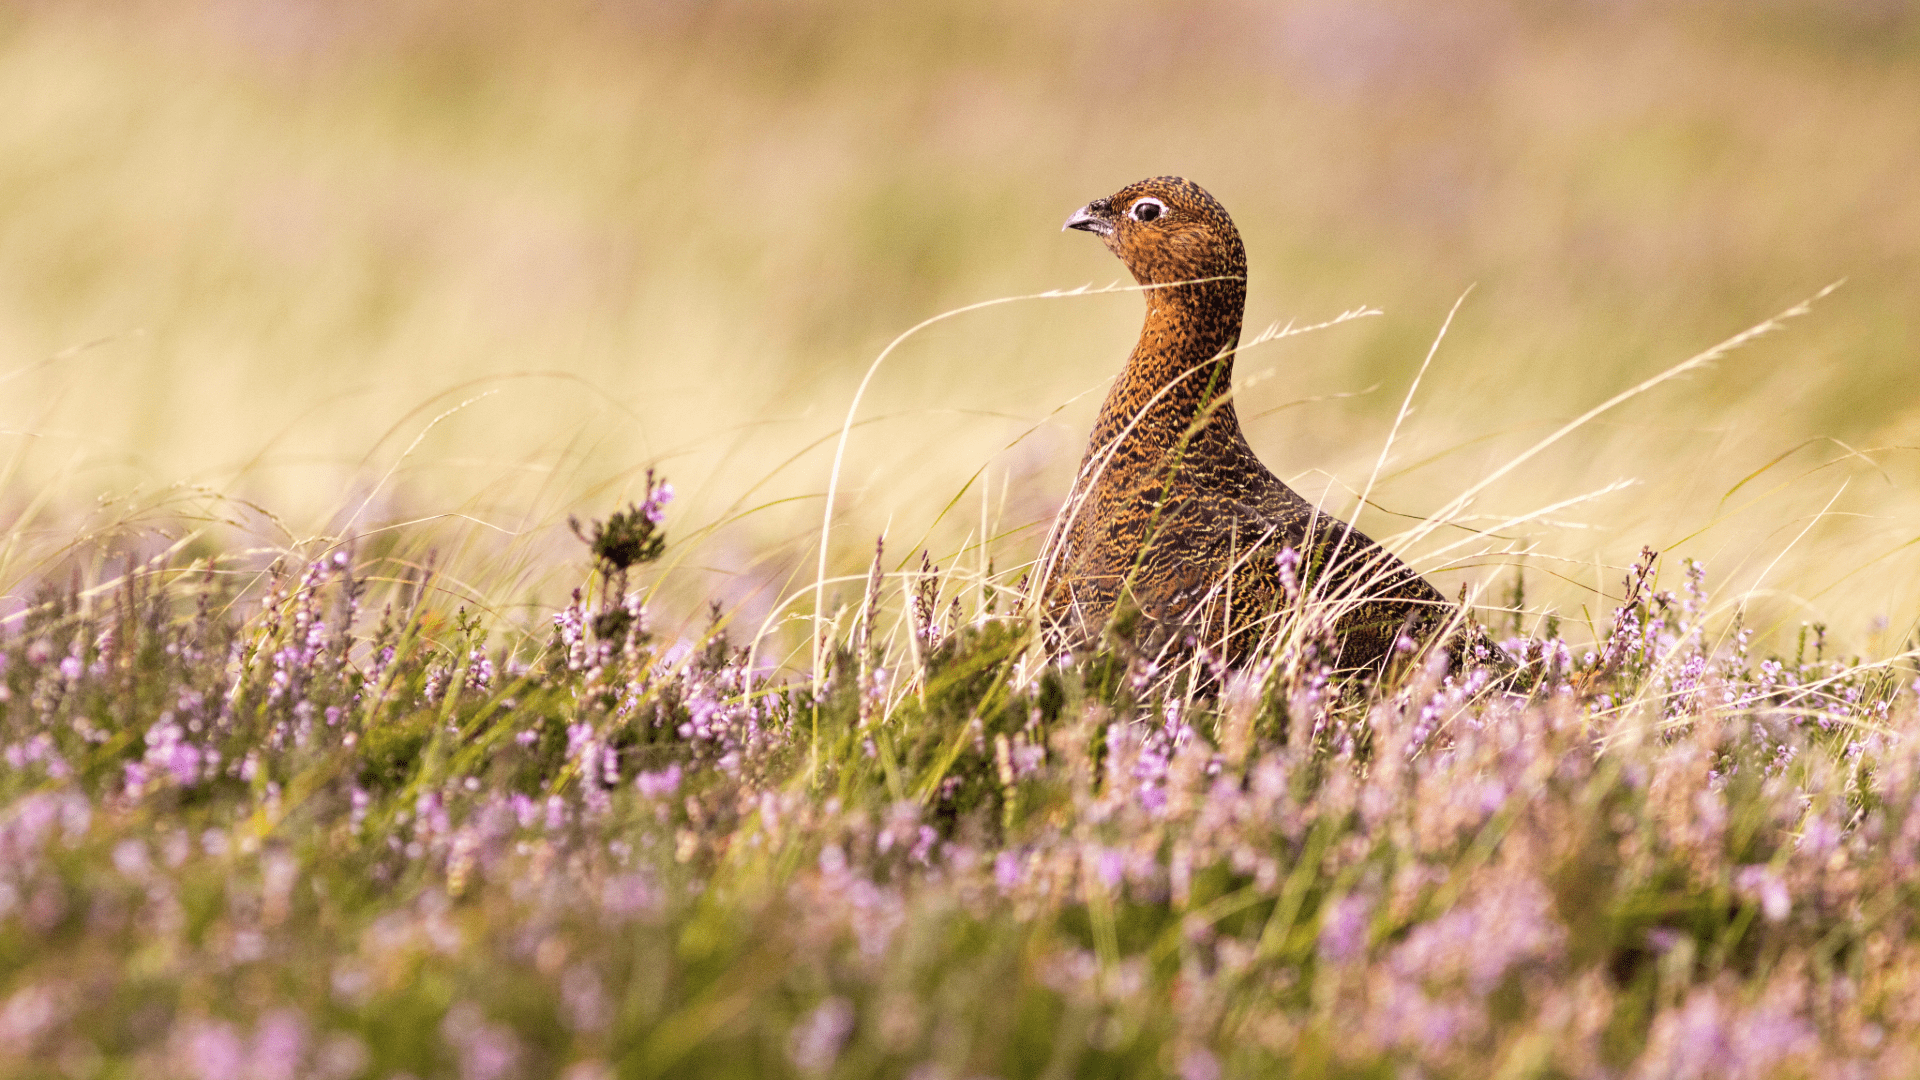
{"x":323,"y":826}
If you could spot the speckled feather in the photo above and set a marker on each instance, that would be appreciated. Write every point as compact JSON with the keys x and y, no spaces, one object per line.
{"x":1171,"y":510}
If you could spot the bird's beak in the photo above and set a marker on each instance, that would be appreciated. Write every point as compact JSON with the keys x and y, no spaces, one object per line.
{"x":1086,"y":220}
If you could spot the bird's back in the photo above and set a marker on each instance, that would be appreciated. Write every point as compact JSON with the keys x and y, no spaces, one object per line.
{"x":1208,"y":544}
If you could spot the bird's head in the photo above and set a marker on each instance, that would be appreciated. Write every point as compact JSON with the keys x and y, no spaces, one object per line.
{"x":1166,"y":230}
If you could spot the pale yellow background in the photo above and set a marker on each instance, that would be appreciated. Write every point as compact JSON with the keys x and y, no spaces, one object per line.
{"x":259,"y":246}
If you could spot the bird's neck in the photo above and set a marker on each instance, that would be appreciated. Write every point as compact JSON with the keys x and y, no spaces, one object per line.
{"x":1181,"y":371}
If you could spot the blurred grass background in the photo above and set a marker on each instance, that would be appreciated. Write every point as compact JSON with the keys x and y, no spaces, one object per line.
{"x":256,"y":247}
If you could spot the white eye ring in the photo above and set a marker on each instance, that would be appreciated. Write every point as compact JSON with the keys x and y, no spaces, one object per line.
{"x":1146,"y":209}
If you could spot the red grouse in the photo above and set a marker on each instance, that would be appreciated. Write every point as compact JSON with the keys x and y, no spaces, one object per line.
{"x":1171,"y":516}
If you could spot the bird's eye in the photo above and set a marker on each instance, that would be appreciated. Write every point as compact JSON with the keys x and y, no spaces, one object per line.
{"x":1147,"y":209}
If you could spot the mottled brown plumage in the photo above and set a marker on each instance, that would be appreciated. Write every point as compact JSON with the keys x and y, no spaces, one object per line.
{"x":1171,"y":514}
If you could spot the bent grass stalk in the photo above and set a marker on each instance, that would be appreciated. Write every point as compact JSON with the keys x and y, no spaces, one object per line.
{"x":853,"y":406}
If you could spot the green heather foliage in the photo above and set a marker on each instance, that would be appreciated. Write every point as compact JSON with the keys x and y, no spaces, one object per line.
{"x":280,"y":834}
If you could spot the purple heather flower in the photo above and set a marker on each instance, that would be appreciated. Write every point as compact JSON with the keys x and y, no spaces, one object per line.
{"x":212,"y":1050}
{"x":833,"y":860}
{"x":579,"y":738}
{"x":816,"y":1041}
{"x":657,"y":499}
{"x":1343,"y":929}
{"x":629,"y":896}
{"x":1819,"y":836}
{"x":436,"y":681}
{"x":571,"y":622}
{"x":1763,"y":884}
{"x":134,"y":778}
{"x":584,"y":999}
{"x":1507,"y":924}
{"x":24,"y":1017}
{"x":1662,"y":939}
{"x":479,"y":671}
{"x":1289,"y":563}
{"x":658,"y":785}
{"x":485,"y":1051}
{"x":1199,"y":1064}
{"x":278,"y":1046}
{"x":1705,"y":1039}
{"x":131,"y":859}
{"x":923,"y":845}
{"x":168,"y":750}
{"x":1007,"y":871}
